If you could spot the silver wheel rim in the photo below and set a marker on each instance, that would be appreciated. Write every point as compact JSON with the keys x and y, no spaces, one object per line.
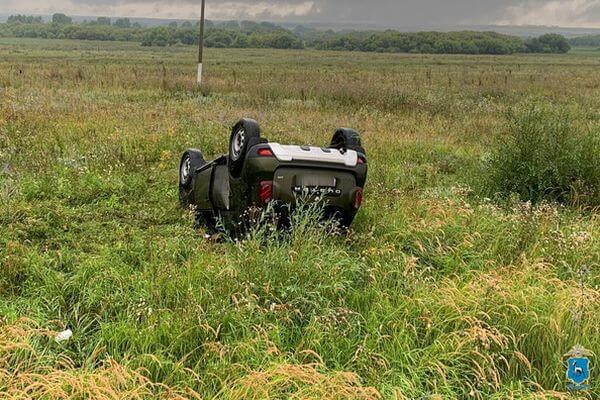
{"x":237,"y":144}
{"x":186,"y":167}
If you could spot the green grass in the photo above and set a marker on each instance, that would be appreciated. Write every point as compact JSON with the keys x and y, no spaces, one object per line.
{"x":546,"y":156}
{"x":436,"y":292}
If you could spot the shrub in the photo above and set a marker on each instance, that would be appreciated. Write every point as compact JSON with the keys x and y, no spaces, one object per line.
{"x":548,"y":43}
{"x":545,"y":156}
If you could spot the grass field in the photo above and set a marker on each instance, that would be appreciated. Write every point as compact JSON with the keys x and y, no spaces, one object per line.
{"x":437,"y":293}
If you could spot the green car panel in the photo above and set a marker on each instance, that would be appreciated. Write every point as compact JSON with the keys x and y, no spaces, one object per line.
{"x":270,"y":173}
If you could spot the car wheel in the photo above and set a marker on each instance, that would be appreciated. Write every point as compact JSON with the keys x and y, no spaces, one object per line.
{"x":243,"y":134}
{"x":190,"y":162}
{"x":341,"y":217}
{"x":347,"y":139}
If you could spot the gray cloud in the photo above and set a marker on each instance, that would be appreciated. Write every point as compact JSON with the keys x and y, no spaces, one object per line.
{"x":398,"y":13}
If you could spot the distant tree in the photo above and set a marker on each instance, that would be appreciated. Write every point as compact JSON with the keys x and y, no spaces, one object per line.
{"x":123,"y":23}
{"x":136,"y":25}
{"x":283,"y":40}
{"x":61,"y":19}
{"x":186,"y":36}
{"x":269,"y":27}
{"x":24,"y":19}
{"x":232,"y":25}
{"x":222,"y":38}
{"x":557,"y":43}
{"x":587,"y":41}
{"x":232,"y":34}
{"x":248,"y":26}
{"x":158,"y":36}
{"x":275,"y":40}
{"x":173,"y":24}
{"x":304,"y":32}
{"x":549,"y":43}
{"x":420,"y":42}
{"x":104,"y":21}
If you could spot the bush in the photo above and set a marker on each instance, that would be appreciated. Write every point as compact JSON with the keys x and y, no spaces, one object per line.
{"x":159,"y":36}
{"x":549,"y":43}
{"x":545,"y":156}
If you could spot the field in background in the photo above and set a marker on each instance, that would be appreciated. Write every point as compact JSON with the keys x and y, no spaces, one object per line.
{"x":436,"y":292}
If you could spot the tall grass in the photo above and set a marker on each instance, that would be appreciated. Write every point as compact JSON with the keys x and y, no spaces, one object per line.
{"x":28,"y":371}
{"x":431,"y":295}
{"x":546,"y":155}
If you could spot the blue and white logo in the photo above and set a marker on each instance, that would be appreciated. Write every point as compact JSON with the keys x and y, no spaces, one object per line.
{"x":579,"y":366}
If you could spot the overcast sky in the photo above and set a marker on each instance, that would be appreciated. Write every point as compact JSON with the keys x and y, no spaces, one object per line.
{"x":584,"y":13}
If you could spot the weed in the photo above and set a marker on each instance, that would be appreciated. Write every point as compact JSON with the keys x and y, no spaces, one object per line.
{"x":546,"y":156}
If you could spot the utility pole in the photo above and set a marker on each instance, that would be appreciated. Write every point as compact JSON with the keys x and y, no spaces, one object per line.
{"x":201,"y":45}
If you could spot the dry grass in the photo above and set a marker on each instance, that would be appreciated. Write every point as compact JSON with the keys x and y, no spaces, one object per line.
{"x":300,"y":382}
{"x":437,"y":293}
{"x":27,"y":372}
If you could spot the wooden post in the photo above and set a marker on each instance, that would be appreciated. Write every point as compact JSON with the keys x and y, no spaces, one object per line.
{"x":201,"y":44}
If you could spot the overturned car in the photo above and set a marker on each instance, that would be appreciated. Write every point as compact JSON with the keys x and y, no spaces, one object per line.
{"x":257,"y":173}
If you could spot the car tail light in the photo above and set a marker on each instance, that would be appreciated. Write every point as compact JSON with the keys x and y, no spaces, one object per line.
{"x":265,"y":152}
{"x":358,"y":198}
{"x":362,"y":160}
{"x":265,"y":193}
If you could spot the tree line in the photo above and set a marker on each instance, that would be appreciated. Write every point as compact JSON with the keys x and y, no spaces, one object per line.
{"x":464,"y":42}
{"x":249,"y":34}
{"x":585,"y":41}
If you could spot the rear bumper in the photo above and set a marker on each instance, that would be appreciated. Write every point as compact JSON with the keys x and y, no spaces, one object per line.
{"x":263,"y":168}
{"x":334,"y":188}
{"x":334,"y":185}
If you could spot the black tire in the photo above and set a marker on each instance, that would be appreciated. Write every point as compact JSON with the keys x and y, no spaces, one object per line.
{"x":190,"y":161}
{"x":341,"y":217}
{"x":245,"y":134}
{"x":347,"y":139}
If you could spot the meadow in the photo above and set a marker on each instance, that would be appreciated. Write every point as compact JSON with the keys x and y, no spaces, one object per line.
{"x":439,"y":291}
